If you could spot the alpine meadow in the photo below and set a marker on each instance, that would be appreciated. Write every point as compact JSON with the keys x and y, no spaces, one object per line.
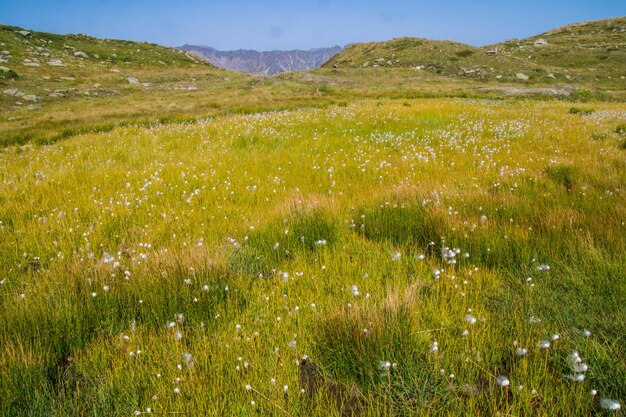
{"x":415,"y":228}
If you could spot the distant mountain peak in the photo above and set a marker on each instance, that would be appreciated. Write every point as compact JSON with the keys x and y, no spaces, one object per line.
{"x":264,"y":62}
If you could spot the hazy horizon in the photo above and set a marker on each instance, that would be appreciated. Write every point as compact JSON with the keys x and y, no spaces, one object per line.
{"x":282,"y":25}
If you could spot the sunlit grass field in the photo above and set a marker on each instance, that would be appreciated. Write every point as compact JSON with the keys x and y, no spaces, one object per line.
{"x":435,"y":257}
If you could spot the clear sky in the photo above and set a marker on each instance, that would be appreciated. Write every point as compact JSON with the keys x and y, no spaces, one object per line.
{"x":283,"y":24}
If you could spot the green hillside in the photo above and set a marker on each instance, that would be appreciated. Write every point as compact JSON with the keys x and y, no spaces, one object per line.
{"x":440,"y":57}
{"x":595,"y":49}
{"x":584,"y":52}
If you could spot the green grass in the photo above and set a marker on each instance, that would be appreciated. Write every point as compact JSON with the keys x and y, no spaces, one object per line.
{"x":588,"y":52}
{"x":359,"y":234}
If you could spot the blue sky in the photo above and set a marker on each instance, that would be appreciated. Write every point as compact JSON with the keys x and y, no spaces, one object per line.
{"x":281,"y":24}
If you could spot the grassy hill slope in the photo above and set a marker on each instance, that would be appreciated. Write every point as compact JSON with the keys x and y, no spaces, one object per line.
{"x":52,"y":85}
{"x":583,"y":52}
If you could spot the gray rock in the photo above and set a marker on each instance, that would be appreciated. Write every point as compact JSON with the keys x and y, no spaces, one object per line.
{"x":56,"y":63}
{"x":31,"y":64}
{"x":521,"y":76}
{"x":24,"y":32}
{"x":132,"y":80}
{"x":550,"y":75}
{"x":81,"y":54}
{"x":4,"y":69}
{"x":30,"y":97}
{"x":11,"y":91}
{"x":540,"y":42}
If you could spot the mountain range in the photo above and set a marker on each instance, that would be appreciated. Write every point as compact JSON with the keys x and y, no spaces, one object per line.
{"x":263,"y":62}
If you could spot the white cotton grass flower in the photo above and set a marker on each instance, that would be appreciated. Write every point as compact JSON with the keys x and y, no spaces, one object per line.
{"x":176,"y":390}
{"x":178,"y":335}
{"x":434,"y":347}
{"x":188,"y":360}
{"x":534,"y":320}
{"x":503,"y":381}
{"x":470,"y":319}
{"x":586,"y":333}
{"x":576,"y":363}
{"x":436,"y":273}
{"x":544,"y":344}
{"x":574,"y":358}
{"x":355,"y":290}
{"x":521,"y":352}
{"x":180,"y":317}
{"x":609,"y":404}
{"x":575,"y":377}
{"x":555,"y":337}
{"x":292,"y":344}
{"x":396,"y":256}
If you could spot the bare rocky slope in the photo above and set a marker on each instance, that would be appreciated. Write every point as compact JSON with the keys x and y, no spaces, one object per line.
{"x":264,"y":62}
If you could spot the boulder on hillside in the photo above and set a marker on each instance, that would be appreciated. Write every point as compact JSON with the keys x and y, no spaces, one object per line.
{"x":7,"y":73}
{"x":11,"y":92}
{"x":521,"y":76}
{"x":56,"y":63}
{"x":81,"y":54}
{"x":132,"y":80}
{"x":540,"y":42}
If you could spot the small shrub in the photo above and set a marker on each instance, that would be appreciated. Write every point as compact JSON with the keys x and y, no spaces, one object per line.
{"x":581,"y":112}
{"x":464,"y":53}
{"x":8,"y":75}
{"x":562,"y":175}
{"x":621,"y":129}
{"x":325,"y":88}
{"x":403,"y":224}
{"x":598,"y":136}
{"x":583,"y":92}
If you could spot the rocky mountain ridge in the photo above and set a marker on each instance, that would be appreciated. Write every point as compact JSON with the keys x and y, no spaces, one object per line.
{"x":264,"y":62}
